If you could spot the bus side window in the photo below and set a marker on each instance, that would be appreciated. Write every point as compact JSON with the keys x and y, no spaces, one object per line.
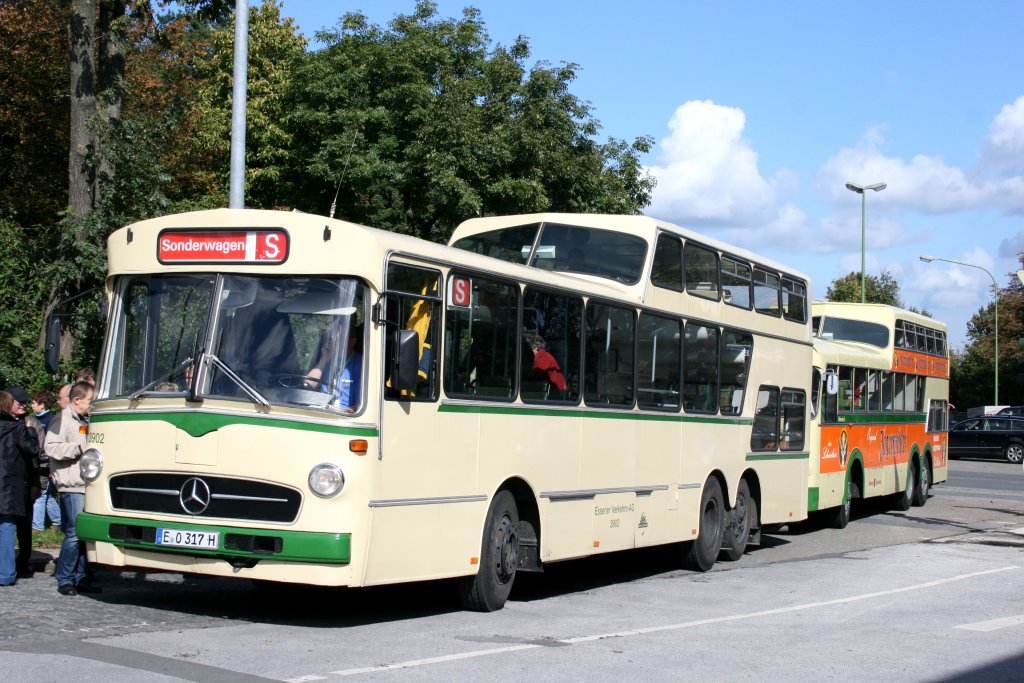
{"x":793,"y":420}
{"x":480,"y":340}
{"x":550,"y":346}
{"x":735,"y":357}
{"x":660,"y":344}
{"x":608,"y":359}
{"x":765,"y":433}
{"x":700,"y":368}
{"x":412,"y":304}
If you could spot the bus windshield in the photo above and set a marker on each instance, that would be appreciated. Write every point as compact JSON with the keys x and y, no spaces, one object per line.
{"x":845,"y":329}
{"x":285,"y":341}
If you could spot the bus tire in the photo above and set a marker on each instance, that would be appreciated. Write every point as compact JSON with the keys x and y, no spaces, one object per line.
{"x":924,"y":485}
{"x":700,"y":554}
{"x":903,"y":500}
{"x":741,"y":519}
{"x":840,"y":516}
{"x":489,"y":588}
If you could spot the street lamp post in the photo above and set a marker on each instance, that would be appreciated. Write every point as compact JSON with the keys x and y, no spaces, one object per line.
{"x":862,"y":191}
{"x":995,"y":299}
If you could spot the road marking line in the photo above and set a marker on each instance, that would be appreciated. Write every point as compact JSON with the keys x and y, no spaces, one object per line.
{"x":433,"y":660}
{"x":668,"y":627}
{"x":993,"y":624}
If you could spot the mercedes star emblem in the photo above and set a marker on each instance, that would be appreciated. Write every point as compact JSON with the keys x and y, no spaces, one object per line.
{"x":194,"y":496}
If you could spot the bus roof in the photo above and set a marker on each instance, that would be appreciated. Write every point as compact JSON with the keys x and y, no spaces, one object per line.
{"x":882,"y":314}
{"x":645,"y":227}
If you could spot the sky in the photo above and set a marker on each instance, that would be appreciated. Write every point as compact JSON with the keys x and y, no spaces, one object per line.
{"x":761,"y":112}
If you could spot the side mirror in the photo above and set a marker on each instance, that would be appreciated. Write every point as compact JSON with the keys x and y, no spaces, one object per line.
{"x":405,"y":368}
{"x":52,"y":344}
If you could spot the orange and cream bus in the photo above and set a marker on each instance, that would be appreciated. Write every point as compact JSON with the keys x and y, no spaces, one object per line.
{"x":882,"y":377}
{"x":285,"y":397}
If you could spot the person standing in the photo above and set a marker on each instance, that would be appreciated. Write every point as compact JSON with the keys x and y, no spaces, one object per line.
{"x":46,"y":503}
{"x":19,"y":411}
{"x":66,"y":440}
{"x":19,"y":450}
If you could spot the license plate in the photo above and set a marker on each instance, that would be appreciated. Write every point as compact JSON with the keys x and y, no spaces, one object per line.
{"x":181,"y":538}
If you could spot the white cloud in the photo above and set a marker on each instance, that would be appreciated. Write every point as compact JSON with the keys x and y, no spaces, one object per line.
{"x":708,"y":173}
{"x":1002,"y":153}
{"x":945,"y":286}
{"x":924,"y":183}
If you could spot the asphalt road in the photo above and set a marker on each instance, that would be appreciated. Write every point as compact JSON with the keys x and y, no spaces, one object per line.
{"x":935,"y":593}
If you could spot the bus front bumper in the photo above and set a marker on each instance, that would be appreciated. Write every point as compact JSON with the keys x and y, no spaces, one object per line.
{"x":271,"y":554}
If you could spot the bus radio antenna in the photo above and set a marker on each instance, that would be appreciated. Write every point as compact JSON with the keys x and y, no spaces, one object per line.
{"x":334,"y":204}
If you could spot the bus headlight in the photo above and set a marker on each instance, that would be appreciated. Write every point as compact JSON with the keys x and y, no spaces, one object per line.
{"x":326,"y":480}
{"x":91,"y":464}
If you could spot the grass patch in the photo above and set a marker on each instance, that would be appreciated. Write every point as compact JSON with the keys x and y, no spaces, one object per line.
{"x":48,"y":538}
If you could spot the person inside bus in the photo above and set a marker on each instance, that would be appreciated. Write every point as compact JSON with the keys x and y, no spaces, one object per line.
{"x":346,"y":387}
{"x":545,"y":366}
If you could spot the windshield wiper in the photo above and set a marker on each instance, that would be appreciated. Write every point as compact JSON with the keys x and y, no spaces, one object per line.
{"x":256,"y":396}
{"x":139,"y":393}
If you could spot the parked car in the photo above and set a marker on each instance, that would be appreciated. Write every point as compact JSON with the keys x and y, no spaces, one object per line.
{"x":1012,"y":410}
{"x":986,"y":437}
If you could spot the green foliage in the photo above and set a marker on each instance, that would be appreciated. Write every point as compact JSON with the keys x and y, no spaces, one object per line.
{"x":878,"y":289}
{"x":416,"y":126}
{"x":422,"y":124}
{"x":974,"y":368}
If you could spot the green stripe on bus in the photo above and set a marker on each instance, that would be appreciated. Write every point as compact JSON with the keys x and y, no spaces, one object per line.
{"x":805,"y":455}
{"x":812,"y":498}
{"x":878,"y":418}
{"x":590,"y":414}
{"x":198,"y":424}
{"x":296,"y":546}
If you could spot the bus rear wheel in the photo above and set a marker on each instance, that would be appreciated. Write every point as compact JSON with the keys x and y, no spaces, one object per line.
{"x":903,"y":500}
{"x":924,"y":484}
{"x":701,"y":553}
{"x":488,"y":590}
{"x":741,"y":519}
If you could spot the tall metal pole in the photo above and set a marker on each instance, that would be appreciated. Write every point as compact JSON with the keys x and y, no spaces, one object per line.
{"x":863,"y":239}
{"x":236,"y":198}
{"x":862,"y":191}
{"x":995,"y":299}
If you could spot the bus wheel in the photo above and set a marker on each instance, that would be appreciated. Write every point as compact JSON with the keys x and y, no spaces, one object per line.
{"x":741,"y":519}
{"x":489,"y":588}
{"x":700,"y":554}
{"x":924,"y":485}
{"x":903,"y":500}
{"x":841,"y":515}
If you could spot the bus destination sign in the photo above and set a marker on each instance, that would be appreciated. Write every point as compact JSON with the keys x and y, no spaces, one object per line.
{"x":267,"y":247}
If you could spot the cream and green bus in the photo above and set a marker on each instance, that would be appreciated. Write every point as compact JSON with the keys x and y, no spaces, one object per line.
{"x":285,"y":397}
{"x":884,"y":413}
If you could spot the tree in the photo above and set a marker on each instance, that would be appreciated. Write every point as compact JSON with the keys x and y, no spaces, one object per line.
{"x":424,"y":123}
{"x":973,"y":369}
{"x":33,"y":113}
{"x":880,"y":289}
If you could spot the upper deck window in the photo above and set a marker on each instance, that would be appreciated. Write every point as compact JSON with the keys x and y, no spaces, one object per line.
{"x":573,"y":249}
{"x":702,"y":271}
{"x":667,"y":271}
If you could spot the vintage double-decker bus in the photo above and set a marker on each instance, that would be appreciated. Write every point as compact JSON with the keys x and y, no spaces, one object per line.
{"x":881,"y":377}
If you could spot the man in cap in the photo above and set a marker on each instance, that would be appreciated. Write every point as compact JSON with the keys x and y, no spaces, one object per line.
{"x":23,"y":562}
